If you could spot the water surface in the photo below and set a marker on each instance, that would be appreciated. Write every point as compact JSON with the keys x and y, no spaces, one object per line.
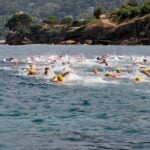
{"x":35,"y":114}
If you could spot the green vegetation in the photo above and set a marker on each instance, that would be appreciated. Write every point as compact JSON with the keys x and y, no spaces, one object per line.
{"x":132,"y":3}
{"x":145,"y":9}
{"x":40,"y":10}
{"x":52,"y":20}
{"x":35,"y":28}
{"x":19,"y":22}
{"x":67,"y":20}
{"x":82,"y":22}
{"x":130,"y":11}
{"x":25,"y":24}
{"x":97,"y":12}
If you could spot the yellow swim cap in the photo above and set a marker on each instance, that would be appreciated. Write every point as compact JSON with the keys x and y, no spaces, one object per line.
{"x":54,"y":77}
{"x":137,"y":79}
{"x":31,"y":71}
{"x":106,"y":73}
{"x":118,"y":70}
{"x":60,"y":77}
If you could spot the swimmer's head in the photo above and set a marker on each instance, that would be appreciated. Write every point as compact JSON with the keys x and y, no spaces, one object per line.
{"x":46,"y":71}
{"x":95,"y":70}
{"x":137,"y":79}
{"x":97,"y":58}
{"x":107,"y":74}
{"x":54,"y":77}
{"x":118,"y":70}
{"x":47,"y":68}
{"x":60,"y":77}
{"x":31,"y":71}
{"x":144,"y":60}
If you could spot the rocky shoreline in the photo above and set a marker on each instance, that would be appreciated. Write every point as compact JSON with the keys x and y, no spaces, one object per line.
{"x":133,"y":32}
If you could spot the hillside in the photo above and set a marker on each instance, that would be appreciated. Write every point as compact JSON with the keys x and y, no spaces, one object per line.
{"x":45,"y":8}
{"x":41,"y":9}
{"x":59,"y":8}
{"x":100,"y":31}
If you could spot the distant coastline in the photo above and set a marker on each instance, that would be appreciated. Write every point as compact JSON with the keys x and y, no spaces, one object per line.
{"x":101,"y":31}
{"x":128,"y":25}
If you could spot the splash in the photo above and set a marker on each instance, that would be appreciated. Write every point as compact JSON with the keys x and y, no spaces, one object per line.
{"x":79,"y":70}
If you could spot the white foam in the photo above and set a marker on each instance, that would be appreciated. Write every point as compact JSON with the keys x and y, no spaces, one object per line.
{"x":81,"y":68}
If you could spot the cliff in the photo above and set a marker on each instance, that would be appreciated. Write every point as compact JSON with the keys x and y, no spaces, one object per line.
{"x":136,"y":31}
{"x":103,"y":31}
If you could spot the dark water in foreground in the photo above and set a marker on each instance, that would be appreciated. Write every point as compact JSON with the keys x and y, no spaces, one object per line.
{"x":36,"y":115}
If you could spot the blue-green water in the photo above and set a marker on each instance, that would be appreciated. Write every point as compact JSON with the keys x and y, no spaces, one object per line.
{"x":37,"y":115}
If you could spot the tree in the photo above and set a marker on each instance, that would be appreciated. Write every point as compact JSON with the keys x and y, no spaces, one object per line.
{"x":19,"y":22}
{"x":128,"y":12}
{"x":132,"y":3}
{"x":36,"y":28}
{"x":97,"y":12}
{"x":52,"y":20}
{"x":145,"y":9}
{"x":67,"y":20}
{"x":146,"y":2}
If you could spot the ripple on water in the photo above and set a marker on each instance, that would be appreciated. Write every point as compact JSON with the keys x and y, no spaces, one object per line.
{"x":38,"y":121}
{"x":102,"y":116}
{"x":2,"y":146}
{"x":131,"y":131}
{"x":73,"y":109}
{"x":73,"y":138}
{"x":14,"y":114}
{"x":86,"y":103}
{"x":82,"y":115}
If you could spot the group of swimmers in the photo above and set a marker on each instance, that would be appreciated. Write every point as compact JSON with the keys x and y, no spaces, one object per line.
{"x":64,"y":62}
{"x":48,"y":72}
{"x":144,"y":69}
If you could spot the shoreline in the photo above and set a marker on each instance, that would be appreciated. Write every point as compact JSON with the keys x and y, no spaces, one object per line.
{"x":76,"y":44}
{"x":132,"y":32}
{"x":135,"y":32}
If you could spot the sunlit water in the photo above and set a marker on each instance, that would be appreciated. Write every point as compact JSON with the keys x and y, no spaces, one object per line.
{"x":87,"y":112}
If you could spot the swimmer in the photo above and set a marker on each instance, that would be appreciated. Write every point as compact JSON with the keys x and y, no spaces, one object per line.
{"x":114,"y":74}
{"x":111,"y":74}
{"x":66,"y":70}
{"x":46,"y":71}
{"x":146,"y":71}
{"x":142,"y":62}
{"x":102,"y":60}
{"x":137,"y":79}
{"x":58,"y":78}
{"x":12,"y":60}
{"x":31,"y":70}
{"x":95,"y":71}
{"x":65,"y":73}
{"x":118,"y":70}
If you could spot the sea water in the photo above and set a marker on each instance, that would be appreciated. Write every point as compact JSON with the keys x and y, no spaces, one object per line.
{"x":87,"y":112}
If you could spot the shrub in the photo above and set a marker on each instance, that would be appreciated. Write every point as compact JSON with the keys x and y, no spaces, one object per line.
{"x":67,"y":20}
{"x":145,"y":9}
{"x":127,"y":11}
{"x":52,"y":20}
{"x":19,"y":21}
{"x":97,"y":12}
{"x":80,"y":22}
{"x":35,"y":28}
